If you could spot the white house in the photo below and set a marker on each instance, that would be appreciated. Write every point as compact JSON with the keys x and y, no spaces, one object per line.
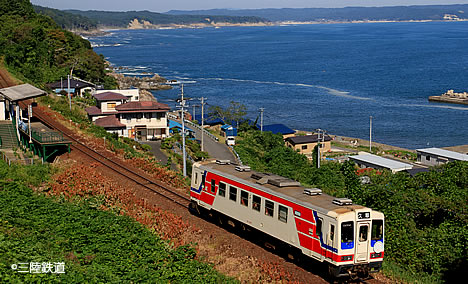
{"x":141,"y":120}
{"x":131,"y":94}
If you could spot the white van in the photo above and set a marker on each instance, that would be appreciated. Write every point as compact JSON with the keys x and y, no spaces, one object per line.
{"x":231,"y":140}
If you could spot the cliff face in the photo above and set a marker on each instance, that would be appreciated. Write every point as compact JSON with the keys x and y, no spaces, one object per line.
{"x":136,"y":24}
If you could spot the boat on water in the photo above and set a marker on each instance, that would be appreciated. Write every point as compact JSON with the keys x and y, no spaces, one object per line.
{"x":451,"y":97}
{"x":172,"y":82}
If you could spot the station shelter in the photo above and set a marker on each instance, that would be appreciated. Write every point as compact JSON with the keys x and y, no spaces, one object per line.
{"x":19,"y":126}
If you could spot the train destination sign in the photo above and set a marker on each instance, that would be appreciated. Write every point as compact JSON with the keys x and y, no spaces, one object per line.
{"x":363,"y":215}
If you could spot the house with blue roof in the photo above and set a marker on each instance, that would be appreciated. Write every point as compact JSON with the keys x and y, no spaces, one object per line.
{"x":279,"y":128}
{"x":228,"y":130}
{"x":174,"y":125}
{"x":208,"y":120}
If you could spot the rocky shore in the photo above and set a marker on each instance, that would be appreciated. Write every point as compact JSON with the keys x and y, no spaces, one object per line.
{"x":144,"y":84}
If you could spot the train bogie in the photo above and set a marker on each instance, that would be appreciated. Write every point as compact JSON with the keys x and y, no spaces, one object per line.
{"x":348,"y":237}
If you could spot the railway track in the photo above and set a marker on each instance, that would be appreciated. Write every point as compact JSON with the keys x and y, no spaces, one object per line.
{"x":156,"y":187}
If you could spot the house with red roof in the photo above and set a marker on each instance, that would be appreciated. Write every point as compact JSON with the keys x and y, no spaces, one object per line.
{"x":141,"y":120}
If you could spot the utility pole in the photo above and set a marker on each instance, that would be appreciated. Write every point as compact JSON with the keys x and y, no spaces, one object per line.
{"x":202,"y":122}
{"x":29,"y":122}
{"x":318,"y":147}
{"x":261,"y":118}
{"x":182,"y":110}
{"x":69,"y":95}
{"x":370,"y":134}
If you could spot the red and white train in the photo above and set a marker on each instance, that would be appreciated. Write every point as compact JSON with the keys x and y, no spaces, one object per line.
{"x":350,"y":238}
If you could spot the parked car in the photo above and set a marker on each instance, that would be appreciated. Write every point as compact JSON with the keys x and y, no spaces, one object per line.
{"x":230,"y":140}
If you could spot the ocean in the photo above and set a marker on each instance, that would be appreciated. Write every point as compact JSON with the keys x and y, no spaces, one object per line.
{"x":327,"y":76}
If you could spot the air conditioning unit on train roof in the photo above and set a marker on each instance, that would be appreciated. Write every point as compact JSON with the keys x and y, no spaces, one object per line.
{"x":312,"y":191}
{"x":223,"y":162}
{"x":243,"y":168}
{"x":342,"y":201}
{"x":279,"y":181}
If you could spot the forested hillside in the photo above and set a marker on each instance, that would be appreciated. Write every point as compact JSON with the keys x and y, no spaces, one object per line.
{"x":397,"y":13}
{"x":122,"y":19}
{"x":35,"y":49}
{"x":66,"y":20}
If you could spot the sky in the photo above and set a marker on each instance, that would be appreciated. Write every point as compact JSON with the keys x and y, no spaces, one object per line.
{"x":166,"y":5}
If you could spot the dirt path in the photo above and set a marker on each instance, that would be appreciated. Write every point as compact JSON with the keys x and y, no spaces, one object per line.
{"x":6,"y":80}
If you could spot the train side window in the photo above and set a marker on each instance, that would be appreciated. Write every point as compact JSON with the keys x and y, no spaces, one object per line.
{"x":213,"y":186}
{"x":256,"y":202}
{"x":222,"y":189}
{"x":244,"y":198}
{"x":203,"y":181}
{"x":196,"y":178}
{"x":332,"y":232}
{"x":233,"y":193}
{"x":347,"y":232}
{"x":283,"y":214}
{"x":318,"y":227}
{"x":269,"y":208}
{"x":377,"y":230}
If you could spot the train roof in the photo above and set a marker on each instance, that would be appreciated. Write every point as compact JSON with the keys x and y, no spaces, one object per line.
{"x":286,"y":188}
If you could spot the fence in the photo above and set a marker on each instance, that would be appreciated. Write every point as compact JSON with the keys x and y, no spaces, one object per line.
{"x":195,"y":126}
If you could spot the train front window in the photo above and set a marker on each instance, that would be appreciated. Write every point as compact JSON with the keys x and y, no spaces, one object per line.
{"x":347,"y":232}
{"x":377,"y":230}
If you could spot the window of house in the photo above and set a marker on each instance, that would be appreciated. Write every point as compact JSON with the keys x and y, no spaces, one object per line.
{"x":233,"y":193}
{"x":244,"y":198}
{"x":222,"y":189}
{"x":283,"y":214}
{"x":269,"y":208}
{"x":304,"y":147}
{"x":138,"y":117}
{"x":428,"y":158}
{"x":256,"y":202}
{"x":111,"y":105}
{"x":128,"y":117}
{"x":148,"y":116}
{"x":213,"y":186}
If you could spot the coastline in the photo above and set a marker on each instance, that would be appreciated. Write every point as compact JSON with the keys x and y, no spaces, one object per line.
{"x":102,"y":31}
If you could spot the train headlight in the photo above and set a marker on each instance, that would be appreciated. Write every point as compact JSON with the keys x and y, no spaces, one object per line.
{"x":378,"y":247}
{"x":346,"y":258}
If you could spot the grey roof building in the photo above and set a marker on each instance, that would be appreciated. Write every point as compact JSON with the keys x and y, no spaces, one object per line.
{"x":377,"y":162}
{"x":437,"y":156}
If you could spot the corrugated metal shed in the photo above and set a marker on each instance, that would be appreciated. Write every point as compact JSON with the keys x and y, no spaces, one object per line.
{"x":444,"y":153}
{"x":21,"y":92}
{"x":380,"y":162}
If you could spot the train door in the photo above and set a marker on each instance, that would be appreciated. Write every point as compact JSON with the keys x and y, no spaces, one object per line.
{"x":362,"y":247}
{"x":330,"y":241}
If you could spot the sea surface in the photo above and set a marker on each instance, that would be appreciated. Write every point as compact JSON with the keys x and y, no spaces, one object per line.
{"x":328,"y":76}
